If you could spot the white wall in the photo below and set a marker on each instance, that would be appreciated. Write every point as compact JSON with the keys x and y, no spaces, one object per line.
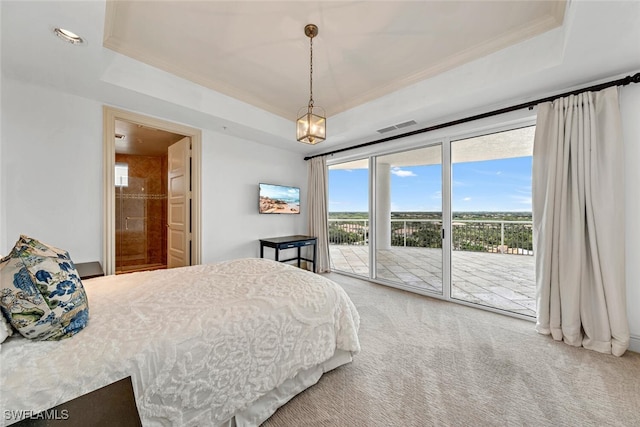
{"x":52,"y":168}
{"x":52,"y":164}
{"x":231,"y":171}
{"x":630,"y":108}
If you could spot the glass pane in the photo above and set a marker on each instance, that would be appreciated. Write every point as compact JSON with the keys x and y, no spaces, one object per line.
{"x":409,"y":218}
{"x":131,"y":224}
{"x":492,"y":262}
{"x":349,"y":217}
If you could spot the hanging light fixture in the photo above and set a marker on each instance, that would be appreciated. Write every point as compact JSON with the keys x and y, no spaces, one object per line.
{"x":310,"y":126}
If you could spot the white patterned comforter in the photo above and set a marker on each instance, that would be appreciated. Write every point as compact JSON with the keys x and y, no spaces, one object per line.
{"x":200,"y":343}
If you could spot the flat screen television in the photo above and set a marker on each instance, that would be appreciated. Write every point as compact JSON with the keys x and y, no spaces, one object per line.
{"x":279,"y":199}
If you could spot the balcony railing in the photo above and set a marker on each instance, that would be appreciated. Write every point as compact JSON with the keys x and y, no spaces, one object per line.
{"x":507,"y":237}
{"x":348,"y":231}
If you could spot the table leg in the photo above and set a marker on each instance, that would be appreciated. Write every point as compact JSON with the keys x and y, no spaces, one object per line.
{"x":315,"y":246}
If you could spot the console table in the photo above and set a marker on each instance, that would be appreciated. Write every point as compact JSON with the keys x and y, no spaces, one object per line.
{"x":288,"y":242}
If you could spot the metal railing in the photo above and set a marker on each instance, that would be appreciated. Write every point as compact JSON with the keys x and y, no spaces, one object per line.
{"x":349,"y":231}
{"x":506,"y":237}
{"x":498,"y":236}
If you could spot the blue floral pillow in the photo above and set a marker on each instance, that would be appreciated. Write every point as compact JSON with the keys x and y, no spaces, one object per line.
{"x":41,"y":292}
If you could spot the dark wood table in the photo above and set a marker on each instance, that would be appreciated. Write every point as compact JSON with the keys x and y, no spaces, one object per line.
{"x":288,"y":242}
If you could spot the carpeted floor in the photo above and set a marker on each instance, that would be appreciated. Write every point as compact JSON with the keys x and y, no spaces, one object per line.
{"x":426,"y":362}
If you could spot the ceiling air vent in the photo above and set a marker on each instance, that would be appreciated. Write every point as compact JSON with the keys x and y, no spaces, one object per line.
{"x":405,"y":124}
{"x":398,"y":126}
{"x":389,"y":129}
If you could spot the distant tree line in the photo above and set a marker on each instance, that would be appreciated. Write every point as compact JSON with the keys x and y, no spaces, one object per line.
{"x":475,"y":236}
{"x":496,"y":216}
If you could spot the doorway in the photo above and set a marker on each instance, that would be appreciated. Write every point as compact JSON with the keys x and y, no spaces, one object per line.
{"x":141,"y":172}
{"x":136,"y":189}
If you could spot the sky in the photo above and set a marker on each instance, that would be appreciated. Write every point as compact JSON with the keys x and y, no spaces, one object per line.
{"x":493,"y":185}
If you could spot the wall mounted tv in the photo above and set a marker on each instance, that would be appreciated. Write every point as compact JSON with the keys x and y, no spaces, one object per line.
{"x":279,"y":199}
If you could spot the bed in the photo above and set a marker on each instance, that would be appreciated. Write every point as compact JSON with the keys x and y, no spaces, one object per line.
{"x":219,"y":344}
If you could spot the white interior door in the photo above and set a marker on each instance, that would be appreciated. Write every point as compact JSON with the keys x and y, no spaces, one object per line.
{"x":179,"y":195}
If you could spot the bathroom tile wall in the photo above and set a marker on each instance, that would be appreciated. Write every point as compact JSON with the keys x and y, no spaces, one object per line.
{"x":141,"y":210}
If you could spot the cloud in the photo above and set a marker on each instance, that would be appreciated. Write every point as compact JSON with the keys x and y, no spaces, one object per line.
{"x":466,"y":199}
{"x":437,"y":195}
{"x":402,"y":173}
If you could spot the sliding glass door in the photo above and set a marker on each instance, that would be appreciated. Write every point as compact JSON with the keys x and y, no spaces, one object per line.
{"x":451,"y":219}
{"x":349,"y":219}
{"x":492,"y":260}
{"x":408,"y":218}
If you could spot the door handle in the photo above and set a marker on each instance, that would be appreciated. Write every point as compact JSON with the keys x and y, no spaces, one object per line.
{"x":127,"y":218}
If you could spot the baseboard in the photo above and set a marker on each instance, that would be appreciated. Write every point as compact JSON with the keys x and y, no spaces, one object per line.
{"x":634,"y":344}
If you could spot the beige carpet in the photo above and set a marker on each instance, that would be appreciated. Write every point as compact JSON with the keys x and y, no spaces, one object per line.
{"x":426,"y":362}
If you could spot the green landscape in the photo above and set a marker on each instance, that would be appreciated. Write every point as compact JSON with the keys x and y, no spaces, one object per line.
{"x":480,"y":216}
{"x":503,"y":232}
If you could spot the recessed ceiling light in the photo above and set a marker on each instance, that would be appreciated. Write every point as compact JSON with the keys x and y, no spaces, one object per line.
{"x":68,"y":36}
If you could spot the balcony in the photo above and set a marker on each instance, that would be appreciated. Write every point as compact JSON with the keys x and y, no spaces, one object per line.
{"x":492,"y":261}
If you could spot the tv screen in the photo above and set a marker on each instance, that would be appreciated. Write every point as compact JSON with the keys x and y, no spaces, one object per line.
{"x":279,"y":199}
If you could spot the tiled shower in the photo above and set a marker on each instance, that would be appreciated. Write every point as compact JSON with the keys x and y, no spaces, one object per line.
{"x":141,"y":213}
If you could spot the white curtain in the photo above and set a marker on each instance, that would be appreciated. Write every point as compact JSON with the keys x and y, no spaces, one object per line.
{"x":317,"y":209}
{"x":578,"y":216}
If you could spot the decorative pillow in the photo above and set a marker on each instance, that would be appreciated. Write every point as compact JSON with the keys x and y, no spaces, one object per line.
{"x":41,"y":292}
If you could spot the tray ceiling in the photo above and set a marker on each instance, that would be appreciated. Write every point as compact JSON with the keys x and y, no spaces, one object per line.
{"x":257,"y":52}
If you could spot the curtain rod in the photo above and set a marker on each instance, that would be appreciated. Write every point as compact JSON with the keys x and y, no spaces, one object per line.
{"x":530,"y":104}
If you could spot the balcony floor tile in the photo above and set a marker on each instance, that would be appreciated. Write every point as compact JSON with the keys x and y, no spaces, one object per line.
{"x":502,"y":281}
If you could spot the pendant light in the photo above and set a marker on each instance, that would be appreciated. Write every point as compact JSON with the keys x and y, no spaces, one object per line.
{"x":311,"y":126}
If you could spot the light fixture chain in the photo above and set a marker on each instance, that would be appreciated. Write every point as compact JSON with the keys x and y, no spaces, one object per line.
{"x":311,"y":72}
